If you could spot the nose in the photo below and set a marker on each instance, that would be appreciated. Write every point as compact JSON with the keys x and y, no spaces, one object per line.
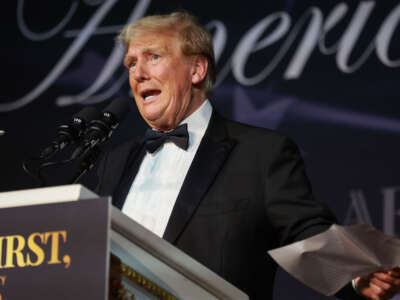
{"x":140,"y":73}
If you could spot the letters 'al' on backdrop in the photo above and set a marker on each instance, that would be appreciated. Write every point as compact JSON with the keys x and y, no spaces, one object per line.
{"x":325,"y":73}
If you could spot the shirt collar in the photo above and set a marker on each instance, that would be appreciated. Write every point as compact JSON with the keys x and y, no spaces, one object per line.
{"x":198,"y":121}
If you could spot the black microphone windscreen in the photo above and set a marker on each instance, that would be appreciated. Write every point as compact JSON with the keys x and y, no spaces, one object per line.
{"x":71,"y":133}
{"x":87,"y":114}
{"x":118,"y":108}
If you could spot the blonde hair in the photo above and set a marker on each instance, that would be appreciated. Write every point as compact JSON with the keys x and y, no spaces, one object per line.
{"x":196,"y":40}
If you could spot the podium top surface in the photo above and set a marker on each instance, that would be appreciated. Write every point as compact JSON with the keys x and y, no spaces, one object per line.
{"x":46,"y":195}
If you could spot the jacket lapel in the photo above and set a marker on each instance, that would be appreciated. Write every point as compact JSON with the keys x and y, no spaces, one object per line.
{"x":129,"y":159}
{"x":213,"y":151}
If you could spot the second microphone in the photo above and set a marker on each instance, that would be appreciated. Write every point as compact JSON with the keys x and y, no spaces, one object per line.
{"x":100,"y":130}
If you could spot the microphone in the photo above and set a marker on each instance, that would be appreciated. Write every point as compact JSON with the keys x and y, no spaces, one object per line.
{"x":101,"y":129}
{"x":70,"y":134}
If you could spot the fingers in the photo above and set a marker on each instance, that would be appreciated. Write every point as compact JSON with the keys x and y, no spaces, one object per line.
{"x":383,"y":285}
{"x":378,"y":286}
{"x":377,"y":291}
{"x":388,"y":278}
{"x":383,"y":288}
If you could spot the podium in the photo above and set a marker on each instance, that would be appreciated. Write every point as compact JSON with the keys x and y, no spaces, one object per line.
{"x":53,"y":246}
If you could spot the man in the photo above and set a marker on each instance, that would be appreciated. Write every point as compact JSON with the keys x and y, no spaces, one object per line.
{"x":234,"y":191}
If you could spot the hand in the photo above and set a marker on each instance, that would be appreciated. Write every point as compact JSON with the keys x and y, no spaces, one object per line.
{"x":381,"y":285}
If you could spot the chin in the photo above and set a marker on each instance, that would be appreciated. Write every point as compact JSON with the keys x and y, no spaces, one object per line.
{"x":153,"y":122}
{"x":150,"y":116}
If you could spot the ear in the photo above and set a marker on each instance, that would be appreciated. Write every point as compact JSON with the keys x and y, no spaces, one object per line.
{"x":199,"y":69}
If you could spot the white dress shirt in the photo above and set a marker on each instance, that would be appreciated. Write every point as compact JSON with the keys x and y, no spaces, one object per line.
{"x":155,"y":189}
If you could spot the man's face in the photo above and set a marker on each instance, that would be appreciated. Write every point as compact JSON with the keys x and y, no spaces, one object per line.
{"x":161,"y":79}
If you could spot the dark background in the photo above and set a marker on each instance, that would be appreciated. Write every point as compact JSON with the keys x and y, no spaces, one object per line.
{"x":346,"y":122}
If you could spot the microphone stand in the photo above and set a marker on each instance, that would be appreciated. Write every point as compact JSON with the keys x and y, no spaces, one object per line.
{"x":87,"y":163}
{"x":91,"y":135}
{"x":43,"y":165}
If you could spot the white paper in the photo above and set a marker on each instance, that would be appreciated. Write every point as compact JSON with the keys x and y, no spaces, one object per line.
{"x":328,"y":261}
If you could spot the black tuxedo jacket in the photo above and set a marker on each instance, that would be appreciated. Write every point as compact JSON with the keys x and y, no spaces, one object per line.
{"x":246,"y":192}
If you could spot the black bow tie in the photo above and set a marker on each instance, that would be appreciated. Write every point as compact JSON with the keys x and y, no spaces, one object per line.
{"x":179,"y":136}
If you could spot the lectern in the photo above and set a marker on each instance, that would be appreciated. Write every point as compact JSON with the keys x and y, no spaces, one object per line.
{"x":53,"y":246}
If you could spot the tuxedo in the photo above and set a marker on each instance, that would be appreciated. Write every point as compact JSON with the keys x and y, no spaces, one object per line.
{"x":246,"y":192}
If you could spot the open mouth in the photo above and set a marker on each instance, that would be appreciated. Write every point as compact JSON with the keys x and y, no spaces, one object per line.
{"x":149,"y":95}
